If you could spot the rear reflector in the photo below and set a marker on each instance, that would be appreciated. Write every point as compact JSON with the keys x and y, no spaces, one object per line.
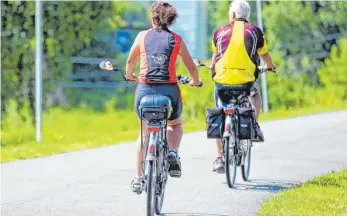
{"x":153,"y":129}
{"x":229,"y":111}
{"x":151,"y":148}
{"x":227,"y":127}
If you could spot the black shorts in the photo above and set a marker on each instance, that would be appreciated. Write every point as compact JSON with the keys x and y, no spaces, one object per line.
{"x":218,"y":103}
{"x":170,"y":90}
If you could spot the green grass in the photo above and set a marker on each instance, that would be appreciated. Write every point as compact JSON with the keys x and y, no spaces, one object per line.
{"x":69,"y":131}
{"x":81,"y":128}
{"x":324,"y":195}
{"x":65,"y":131}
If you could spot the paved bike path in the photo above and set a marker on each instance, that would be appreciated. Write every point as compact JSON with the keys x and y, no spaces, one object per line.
{"x":97,"y":181}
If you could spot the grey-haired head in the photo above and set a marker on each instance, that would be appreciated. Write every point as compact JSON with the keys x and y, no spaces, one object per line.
{"x":239,"y":9}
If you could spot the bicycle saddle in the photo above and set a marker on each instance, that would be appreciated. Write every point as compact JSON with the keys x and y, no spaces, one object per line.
{"x":155,"y":104}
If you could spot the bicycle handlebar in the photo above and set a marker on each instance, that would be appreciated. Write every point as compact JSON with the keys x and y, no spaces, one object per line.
{"x":261,"y":69}
{"x":186,"y":80}
{"x":181,"y":79}
{"x":107,"y":65}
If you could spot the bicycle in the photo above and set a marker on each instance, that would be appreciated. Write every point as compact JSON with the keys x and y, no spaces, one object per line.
{"x":239,"y":132}
{"x":155,"y":110}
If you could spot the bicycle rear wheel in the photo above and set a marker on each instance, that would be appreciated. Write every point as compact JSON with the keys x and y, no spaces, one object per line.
{"x":151,"y":184}
{"x":246,"y":166}
{"x":159,"y":199}
{"x":160,"y":189}
{"x":230,"y":160}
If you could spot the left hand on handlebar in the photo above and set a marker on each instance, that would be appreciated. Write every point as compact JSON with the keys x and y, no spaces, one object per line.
{"x":132,"y":77}
{"x":197,"y":62}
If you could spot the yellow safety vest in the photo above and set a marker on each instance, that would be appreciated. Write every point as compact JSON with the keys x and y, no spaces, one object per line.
{"x":235,"y":66}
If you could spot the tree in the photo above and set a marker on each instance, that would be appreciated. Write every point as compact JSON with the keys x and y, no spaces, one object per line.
{"x":69,"y":29}
{"x":333,"y":74}
{"x":298,"y":29}
{"x":300,"y":37}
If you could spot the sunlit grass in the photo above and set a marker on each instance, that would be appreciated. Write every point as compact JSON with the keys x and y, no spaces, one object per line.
{"x":69,"y":131}
{"x":65,"y":131}
{"x":325,"y":195}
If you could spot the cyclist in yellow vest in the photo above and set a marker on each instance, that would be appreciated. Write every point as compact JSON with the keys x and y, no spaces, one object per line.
{"x":238,"y":47}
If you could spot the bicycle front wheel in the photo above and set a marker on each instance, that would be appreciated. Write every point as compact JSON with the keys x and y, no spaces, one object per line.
{"x":230,"y":160}
{"x":151,"y":182}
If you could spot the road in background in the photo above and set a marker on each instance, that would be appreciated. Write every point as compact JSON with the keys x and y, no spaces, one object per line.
{"x":97,"y":181}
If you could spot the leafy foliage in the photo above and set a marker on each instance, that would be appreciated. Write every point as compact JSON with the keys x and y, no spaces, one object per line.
{"x":69,"y":29}
{"x":296,"y":33}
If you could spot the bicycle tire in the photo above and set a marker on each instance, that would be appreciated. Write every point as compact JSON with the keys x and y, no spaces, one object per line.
{"x":230,"y":162}
{"x":150,"y":189}
{"x":160,"y":197}
{"x":245,"y":170}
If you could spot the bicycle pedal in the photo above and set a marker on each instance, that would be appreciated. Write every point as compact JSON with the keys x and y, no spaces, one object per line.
{"x":175,"y":173}
{"x":257,"y":140}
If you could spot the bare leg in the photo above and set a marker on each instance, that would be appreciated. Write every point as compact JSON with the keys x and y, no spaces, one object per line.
{"x":174,"y":133}
{"x":219,"y":147}
{"x":218,"y":164}
{"x":174,"y":137}
{"x":139,"y":150}
{"x":256,"y":102}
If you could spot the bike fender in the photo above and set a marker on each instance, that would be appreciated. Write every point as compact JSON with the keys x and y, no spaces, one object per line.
{"x":150,"y":157}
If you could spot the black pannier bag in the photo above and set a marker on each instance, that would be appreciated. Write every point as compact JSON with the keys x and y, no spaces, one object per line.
{"x":215,"y":122}
{"x":246,"y":125}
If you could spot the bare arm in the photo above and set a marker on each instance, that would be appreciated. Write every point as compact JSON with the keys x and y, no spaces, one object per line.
{"x":264,"y":52}
{"x":268,"y":60}
{"x":189,"y":63}
{"x":134,"y":55}
{"x":213,"y":56}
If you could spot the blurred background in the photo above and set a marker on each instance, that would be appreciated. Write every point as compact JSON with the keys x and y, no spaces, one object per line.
{"x":86,"y":107}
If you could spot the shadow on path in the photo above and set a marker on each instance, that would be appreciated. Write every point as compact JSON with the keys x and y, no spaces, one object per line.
{"x":273,"y":186}
{"x":192,"y":214}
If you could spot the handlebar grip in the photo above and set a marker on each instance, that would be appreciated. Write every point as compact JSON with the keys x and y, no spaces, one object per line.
{"x":272,"y":70}
{"x":263,"y":70}
{"x":179,"y":76}
{"x":186,"y":80}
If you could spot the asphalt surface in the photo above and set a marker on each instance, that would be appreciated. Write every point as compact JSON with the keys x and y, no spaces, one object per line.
{"x":97,"y":181}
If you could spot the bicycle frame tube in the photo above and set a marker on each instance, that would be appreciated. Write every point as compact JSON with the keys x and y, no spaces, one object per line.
{"x":152,"y":146}
{"x":228,"y":125}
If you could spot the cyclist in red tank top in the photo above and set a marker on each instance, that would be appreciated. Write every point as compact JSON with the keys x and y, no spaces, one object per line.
{"x":158,"y":49}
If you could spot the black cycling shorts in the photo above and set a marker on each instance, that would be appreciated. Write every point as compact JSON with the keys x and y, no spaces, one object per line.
{"x":170,"y":90}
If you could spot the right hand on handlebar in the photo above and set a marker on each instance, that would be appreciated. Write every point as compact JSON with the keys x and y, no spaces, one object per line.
{"x":270,"y":67}
{"x":186,"y":80}
{"x":195,"y":83}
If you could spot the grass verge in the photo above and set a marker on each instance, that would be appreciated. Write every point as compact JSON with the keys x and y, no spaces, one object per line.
{"x":81,"y":129}
{"x":324,"y":195}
